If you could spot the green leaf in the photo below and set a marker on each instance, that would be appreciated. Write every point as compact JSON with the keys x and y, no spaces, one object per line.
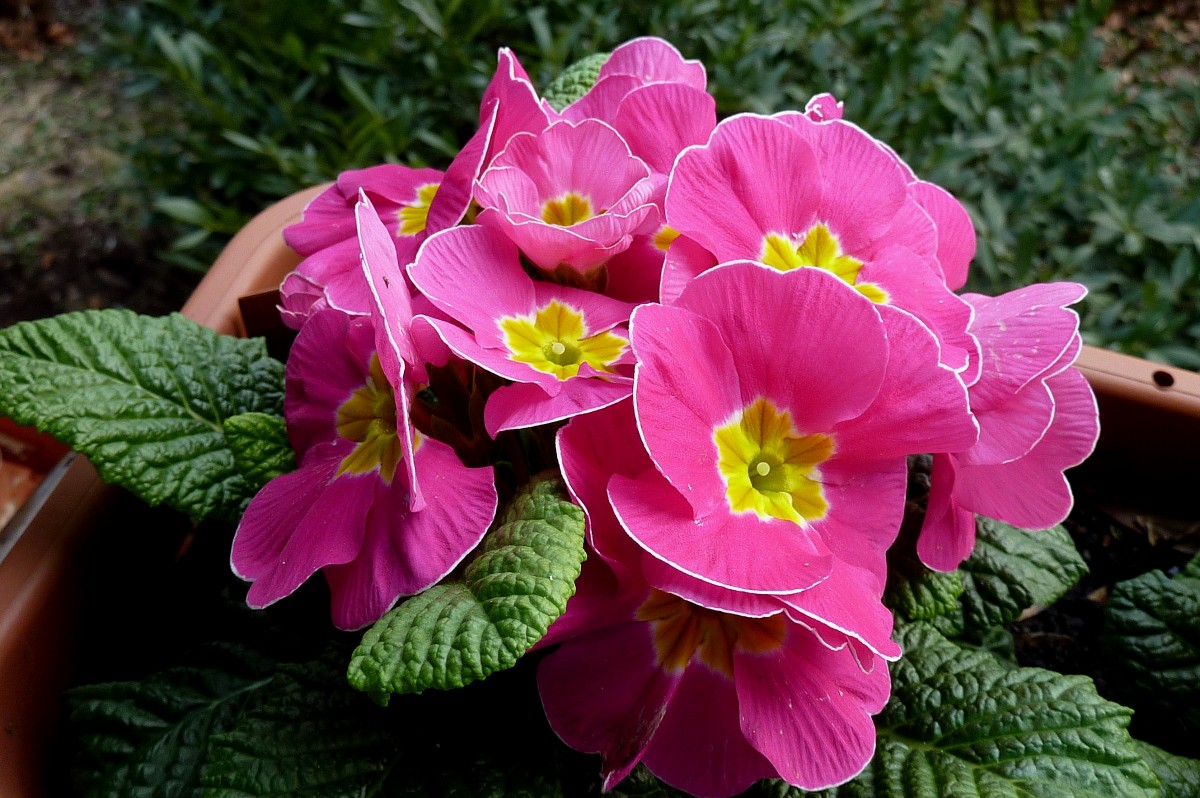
{"x":1178,"y":775}
{"x":1152,"y":627}
{"x":309,"y":735}
{"x":1013,"y":569}
{"x":145,"y":399}
{"x":456,"y":633}
{"x":959,"y":724}
{"x":574,"y":81}
{"x":260,"y":446}
{"x":914,"y":592}
{"x":150,"y":738}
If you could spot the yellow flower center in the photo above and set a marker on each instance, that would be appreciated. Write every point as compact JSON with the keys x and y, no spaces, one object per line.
{"x":415,"y":215}
{"x":664,"y":237}
{"x":769,"y":468}
{"x":818,"y":248}
{"x":554,"y":340}
{"x":569,"y":209}
{"x":368,"y":417}
{"x":682,"y":630}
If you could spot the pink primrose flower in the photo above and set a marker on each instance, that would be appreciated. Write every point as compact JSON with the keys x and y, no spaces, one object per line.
{"x":1037,"y":417}
{"x":565,"y":349}
{"x":778,"y":409}
{"x":571,"y":196}
{"x":381,"y":509}
{"x":648,"y":673}
{"x":790,"y":192}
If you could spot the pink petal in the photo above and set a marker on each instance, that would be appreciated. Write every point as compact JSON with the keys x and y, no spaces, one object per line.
{"x":661,"y":119}
{"x":921,"y":406}
{"x":685,"y":386}
{"x":299,"y":298}
{"x":948,"y":532}
{"x":739,"y":552}
{"x":635,"y":273}
{"x":955,"y":231}
{"x":336,"y":269}
{"x":1032,"y":492}
{"x":300,"y":522}
{"x":522,"y":405}
{"x":824,"y":108}
{"x":863,"y":187}
{"x":1010,"y":430}
{"x":453,"y":198}
{"x":329,"y":361}
{"x":405,"y":552}
{"x":756,"y":175}
{"x":602,"y":100}
{"x":607,"y":693}
{"x":848,"y":602}
{"x":326,"y":221}
{"x":699,"y":746}
{"x":808,"y":710}
{"x":685,"y":261}
{"x":866,"y":507}
{"x":804,"y":339}
{"x":654,"y":60}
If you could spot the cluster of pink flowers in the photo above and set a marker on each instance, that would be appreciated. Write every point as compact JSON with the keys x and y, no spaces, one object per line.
{"x":740,"y":332}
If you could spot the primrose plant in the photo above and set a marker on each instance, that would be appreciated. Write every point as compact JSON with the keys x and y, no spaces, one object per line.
{"x":695,"y":363}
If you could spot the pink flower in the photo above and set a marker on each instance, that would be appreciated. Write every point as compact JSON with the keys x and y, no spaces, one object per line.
{"x":790,"y":193}
{"x":565,"y":349}
{"x":648,"y":673}
{"x":571,"y":196}
{"x":382,"y":510}
{"x":653,"y":97}
{"x":778,"y":409}
{"x":1037,"y":418}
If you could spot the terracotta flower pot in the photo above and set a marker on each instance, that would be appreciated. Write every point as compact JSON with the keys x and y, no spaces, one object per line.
{"x":1150,"y":431}
{"x":42,"y":570}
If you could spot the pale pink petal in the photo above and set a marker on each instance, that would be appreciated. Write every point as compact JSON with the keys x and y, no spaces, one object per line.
{"x":300,"y":522}
{"x":1010,"y":430}
{"x":756,"y":175}
{"x":1022,"y":334}
{"x":661,"y":119}
{"x":803,"y":339}
{"x":808,"y":709}
{"x":405,"y":552}
{"x":955,"y":231}
{"x":336,"y":269}
{"x":652,"y":60}
{"x":739,"y":552}
{"x":824,"y":108}
{"x":1032,"y":492}
{"x":699,"y":746}
{"x":602,"y":100}
{"x":948,"y":532}
{"x":607,"y":693}
{"x":921,"y":405}
{"x":524,"y":405}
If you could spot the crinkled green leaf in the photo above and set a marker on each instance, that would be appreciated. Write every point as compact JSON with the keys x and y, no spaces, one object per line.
{"x":1178,"y":775}
{"x":150,"y":738}
{"x":143,"y":398}
{"x":309,"y":735}
{"x":961,"y":725}
{"x":1012,"y":569}
{"x":458,"y":632}
{"x":574,"y":81}
{"x":1152,"y":628}
{"x":916,"y":593}
{"x":260,"y":446}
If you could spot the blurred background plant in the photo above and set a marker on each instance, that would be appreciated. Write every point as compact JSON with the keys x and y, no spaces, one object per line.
{"x":1070,"y":130}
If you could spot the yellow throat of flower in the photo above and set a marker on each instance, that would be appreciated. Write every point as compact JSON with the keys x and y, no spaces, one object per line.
{"x":683,"y":630}
{"x":553,"y":341}
{"x":415,"y":215}
{"x":368,"y":417}
{"x":769,"y":468}
{"x":569,"y":209}
{"x":818,"y":248}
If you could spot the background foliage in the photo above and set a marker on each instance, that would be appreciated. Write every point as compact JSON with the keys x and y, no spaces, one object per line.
{"x":1071,"y":167}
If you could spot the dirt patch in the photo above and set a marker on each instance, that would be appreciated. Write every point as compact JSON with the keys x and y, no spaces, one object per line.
{"x":74,"y":226}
